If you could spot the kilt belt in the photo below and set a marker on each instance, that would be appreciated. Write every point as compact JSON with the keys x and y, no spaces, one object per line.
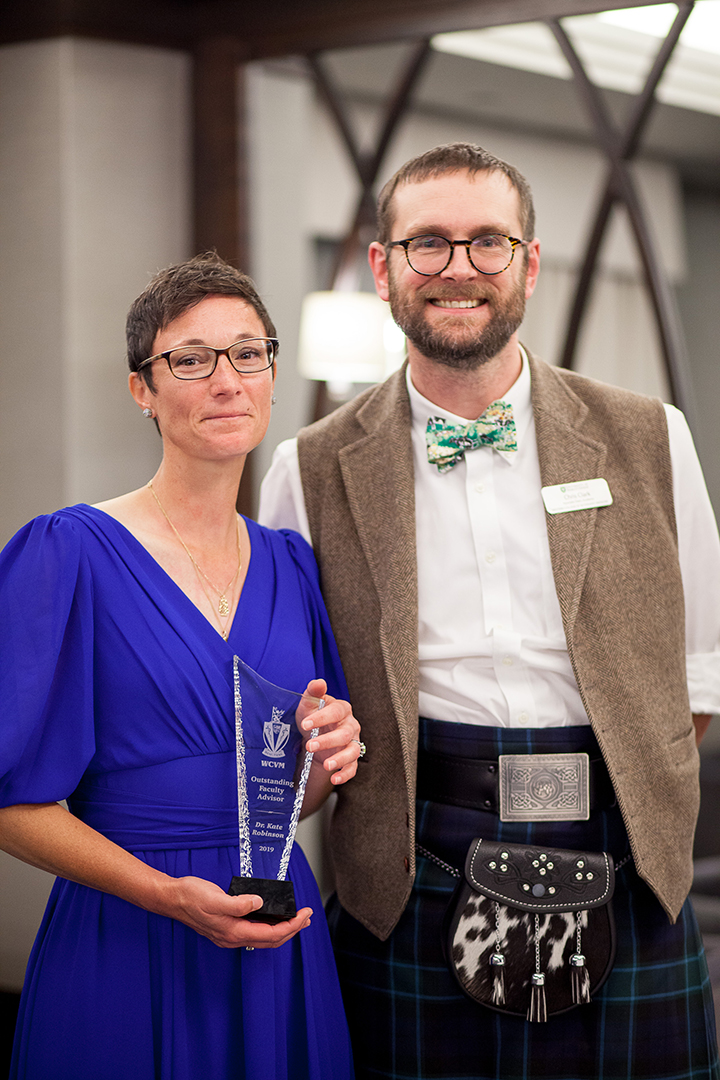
{"x":518,"y":787}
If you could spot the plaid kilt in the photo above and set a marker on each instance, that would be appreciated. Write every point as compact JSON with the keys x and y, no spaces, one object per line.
{"x":652,"y":1020}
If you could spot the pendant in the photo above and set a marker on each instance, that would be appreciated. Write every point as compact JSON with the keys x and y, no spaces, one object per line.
{"x":223,"y":607}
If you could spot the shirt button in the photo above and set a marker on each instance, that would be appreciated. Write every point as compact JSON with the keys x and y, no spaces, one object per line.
{"x":480,"y":488}
{"x":508,"y":661}
{"x":490,"y":556}
{"x":523,"y":718}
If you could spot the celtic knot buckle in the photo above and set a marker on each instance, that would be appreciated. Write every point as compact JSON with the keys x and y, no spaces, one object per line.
{"x":544,"y":787}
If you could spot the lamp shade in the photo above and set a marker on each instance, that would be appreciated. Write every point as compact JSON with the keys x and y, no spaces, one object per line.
{"x":348,"y":337}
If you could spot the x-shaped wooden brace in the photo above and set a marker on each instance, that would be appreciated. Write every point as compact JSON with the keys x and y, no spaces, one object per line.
{"x":620,"y":147}
{"x":367,"y":165}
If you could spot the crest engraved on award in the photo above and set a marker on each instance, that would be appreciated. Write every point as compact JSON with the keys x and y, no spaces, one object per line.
{"x":272,"y":771}
{"x":275,"y":735}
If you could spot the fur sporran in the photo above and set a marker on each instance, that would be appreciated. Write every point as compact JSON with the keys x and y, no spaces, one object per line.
{"x":530,"y":929}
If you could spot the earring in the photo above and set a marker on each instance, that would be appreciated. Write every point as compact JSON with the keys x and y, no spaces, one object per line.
{"x":273,"y":400}
{"x":147,"y":412}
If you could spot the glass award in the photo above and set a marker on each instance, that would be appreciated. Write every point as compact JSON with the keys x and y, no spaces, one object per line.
{"x":272,"y":773}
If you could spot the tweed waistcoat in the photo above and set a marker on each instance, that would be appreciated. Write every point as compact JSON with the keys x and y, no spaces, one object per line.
{"x":619,"y":587}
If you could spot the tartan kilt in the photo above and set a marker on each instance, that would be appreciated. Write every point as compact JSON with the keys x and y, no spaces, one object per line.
{"x":652,"y":1020}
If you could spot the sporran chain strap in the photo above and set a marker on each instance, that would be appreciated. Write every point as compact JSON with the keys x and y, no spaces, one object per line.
{"x":497,"y":962}
{"x":579,"y":973}
{"x":438,"y":862}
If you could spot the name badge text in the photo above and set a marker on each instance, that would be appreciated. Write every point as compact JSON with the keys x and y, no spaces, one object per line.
{"x":580,"y":495}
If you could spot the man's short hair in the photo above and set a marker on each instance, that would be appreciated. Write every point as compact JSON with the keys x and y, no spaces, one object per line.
{"x":450,"y":158}
{"x":174,"y":291}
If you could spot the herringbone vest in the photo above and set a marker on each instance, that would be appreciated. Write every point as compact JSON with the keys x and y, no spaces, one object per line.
{"x":618,"y":583}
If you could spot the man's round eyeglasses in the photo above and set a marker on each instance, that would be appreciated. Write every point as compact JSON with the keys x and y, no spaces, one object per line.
{"x":489,"y":254}
{"x":248,"y":357}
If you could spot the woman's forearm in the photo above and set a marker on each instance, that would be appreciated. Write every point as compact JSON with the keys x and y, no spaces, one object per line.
{"x":46,"y":835}
{"x":49,"y":837}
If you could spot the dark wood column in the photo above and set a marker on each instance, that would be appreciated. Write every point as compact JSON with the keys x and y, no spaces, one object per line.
{"x":220,"y":183}
{"x":219,"y":159}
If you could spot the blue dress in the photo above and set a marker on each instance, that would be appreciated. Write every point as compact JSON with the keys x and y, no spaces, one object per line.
{"x":117,"y":694}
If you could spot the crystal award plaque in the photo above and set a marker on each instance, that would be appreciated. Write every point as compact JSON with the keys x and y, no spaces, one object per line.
{"x":272,"y":774}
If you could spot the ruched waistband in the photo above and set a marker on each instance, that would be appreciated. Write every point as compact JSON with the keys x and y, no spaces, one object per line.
{"x":185,"y":803}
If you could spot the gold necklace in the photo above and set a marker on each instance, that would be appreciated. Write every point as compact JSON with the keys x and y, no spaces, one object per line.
{"x":224,"y":606}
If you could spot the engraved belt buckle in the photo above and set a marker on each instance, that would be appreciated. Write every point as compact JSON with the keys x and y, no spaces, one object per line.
{"x":544,"y":787}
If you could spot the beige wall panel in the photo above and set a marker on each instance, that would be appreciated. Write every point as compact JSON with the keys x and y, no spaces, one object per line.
{"x":32,"y":424}
{"x":94,"y":189}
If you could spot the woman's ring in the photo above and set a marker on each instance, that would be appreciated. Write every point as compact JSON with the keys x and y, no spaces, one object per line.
{"x":363,"y":747}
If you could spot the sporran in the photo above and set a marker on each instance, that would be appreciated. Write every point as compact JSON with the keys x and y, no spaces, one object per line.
{"x":530,"y":930}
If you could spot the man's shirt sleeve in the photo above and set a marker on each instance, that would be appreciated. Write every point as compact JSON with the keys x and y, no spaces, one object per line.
{"x":282,"y":503}
{"x":699,"y":553}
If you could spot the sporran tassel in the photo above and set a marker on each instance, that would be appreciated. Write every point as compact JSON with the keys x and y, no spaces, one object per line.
{"x":537,"y":1013}
{"x":497,"y":962}
{"x":580,"y":975}
{"x":580,"y":980}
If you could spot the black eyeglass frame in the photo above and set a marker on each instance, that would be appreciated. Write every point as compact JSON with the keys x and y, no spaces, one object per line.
{"x":514,"y":243}
{"x":218,"y":353}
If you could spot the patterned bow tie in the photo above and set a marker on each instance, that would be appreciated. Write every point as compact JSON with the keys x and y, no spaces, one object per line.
{"x":447,"y":443}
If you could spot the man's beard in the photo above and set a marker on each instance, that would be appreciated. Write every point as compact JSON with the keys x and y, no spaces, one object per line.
{"x":448,"y":345}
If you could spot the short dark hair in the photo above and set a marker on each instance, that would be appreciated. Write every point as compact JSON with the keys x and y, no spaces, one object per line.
{"x":450,"y":158}
{"x":174,"y":291}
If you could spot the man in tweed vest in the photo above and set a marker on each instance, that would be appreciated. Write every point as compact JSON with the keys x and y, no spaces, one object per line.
{"x":516,"y":561}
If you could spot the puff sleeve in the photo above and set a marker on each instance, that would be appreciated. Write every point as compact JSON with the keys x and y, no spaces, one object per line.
{"x":46,"y":662}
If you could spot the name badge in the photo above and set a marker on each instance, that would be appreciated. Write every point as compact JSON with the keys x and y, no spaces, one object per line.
{"x":581,"y":495}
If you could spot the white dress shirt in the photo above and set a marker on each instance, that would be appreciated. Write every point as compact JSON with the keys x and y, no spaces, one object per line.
{"x":492,"y":647}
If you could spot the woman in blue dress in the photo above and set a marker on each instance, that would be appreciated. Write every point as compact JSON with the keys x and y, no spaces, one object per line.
{"x":119,"y":627}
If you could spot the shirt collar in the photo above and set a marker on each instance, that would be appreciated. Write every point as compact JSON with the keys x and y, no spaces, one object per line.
{"x":518,"y":396}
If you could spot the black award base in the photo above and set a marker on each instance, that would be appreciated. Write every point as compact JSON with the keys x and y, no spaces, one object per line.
{"x":278,"y":898}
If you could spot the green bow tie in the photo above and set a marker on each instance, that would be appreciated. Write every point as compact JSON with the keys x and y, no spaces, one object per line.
{"x":447,"y":443}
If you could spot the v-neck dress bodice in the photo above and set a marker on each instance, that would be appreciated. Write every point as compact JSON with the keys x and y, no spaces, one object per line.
{"x":116,"y":693}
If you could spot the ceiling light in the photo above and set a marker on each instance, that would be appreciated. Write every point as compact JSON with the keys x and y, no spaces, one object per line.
{"x":617,"y":49}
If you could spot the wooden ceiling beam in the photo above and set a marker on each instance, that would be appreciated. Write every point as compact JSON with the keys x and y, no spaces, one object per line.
{"x":164,"y":23}
{"x":264,"y":30}
{"x":311,"y":25}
